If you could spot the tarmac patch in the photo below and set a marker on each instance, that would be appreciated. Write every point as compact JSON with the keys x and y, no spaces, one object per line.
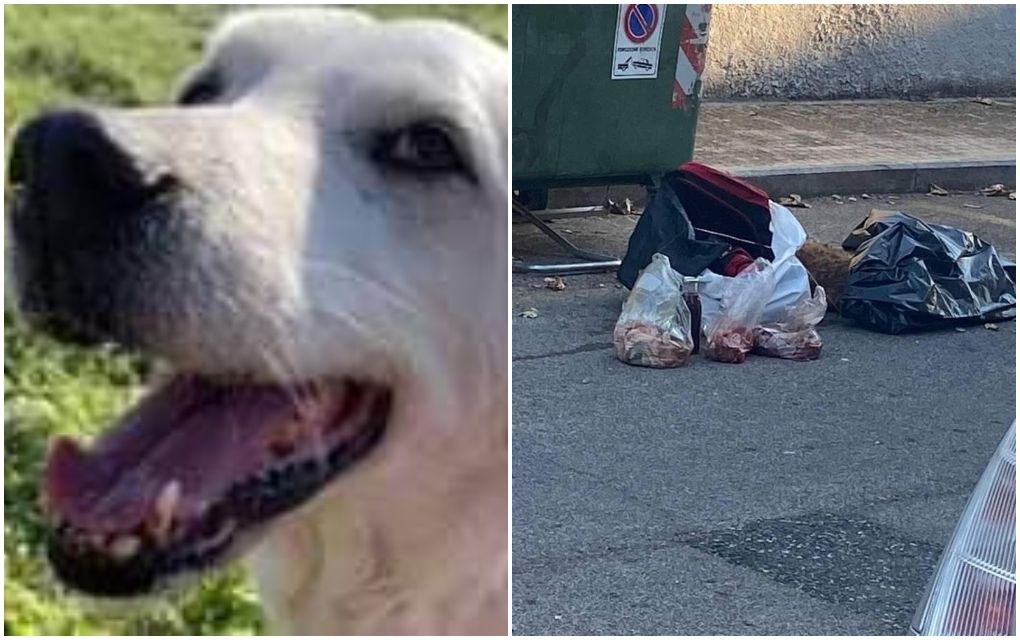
{"x":844,"y":560}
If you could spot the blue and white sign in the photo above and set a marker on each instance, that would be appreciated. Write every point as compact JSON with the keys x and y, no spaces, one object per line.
{"x":638,"y":39}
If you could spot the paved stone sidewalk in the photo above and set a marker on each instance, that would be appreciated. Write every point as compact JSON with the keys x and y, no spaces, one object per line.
{"x":778,"y":135}
{"x":811,"y":138}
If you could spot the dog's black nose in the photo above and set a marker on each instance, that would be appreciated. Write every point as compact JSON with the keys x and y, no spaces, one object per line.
{"x":64,"y":165}
{"x":78,"y":220}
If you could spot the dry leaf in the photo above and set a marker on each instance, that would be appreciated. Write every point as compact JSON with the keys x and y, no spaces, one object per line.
{"x":984,"y":101}
{"x":794,"y":200}
{"x":992,"y":326}
{"x":851,"y":199}
{"x":555,"y":283}
{"x":960,"y":330}
{"x":993,"y":190}
{"x":972,"y":206}
{"x":865,"y":196}
{"x":625,"y":209}
{"x":530,"y":313}
{"x":935,"y":190}
{"x":1012,"y":195}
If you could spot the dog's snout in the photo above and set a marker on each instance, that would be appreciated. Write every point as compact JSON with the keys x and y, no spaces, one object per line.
{"x":66,"y":164}
{"x":78,"y":214}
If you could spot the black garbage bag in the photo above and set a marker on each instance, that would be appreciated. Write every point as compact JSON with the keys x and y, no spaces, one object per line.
{"x":911,"y":275}
{"x":664,"y":228}
{"x":697,"y":214}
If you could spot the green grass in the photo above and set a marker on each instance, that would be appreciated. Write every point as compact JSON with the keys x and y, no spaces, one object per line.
{"x":124,"y":56}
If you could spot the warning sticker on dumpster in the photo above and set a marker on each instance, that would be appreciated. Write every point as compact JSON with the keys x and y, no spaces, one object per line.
{"x":638,"y":40}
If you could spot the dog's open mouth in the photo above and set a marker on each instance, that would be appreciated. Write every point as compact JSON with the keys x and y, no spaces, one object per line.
{"x":174,"y":484}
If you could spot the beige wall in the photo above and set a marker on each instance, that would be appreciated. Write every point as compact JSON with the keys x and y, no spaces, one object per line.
{"x":860,"y":51}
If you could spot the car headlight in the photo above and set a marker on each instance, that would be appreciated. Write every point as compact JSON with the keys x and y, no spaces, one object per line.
{"x":974,"y":590}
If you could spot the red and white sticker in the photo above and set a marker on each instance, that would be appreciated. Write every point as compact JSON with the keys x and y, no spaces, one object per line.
{"x":638,"y":41}
{"x":690,"y":62}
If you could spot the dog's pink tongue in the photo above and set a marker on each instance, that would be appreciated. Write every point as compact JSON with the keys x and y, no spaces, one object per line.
{"x":202,"y":437}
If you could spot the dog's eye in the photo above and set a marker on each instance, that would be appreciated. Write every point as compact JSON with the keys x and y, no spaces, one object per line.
{"x":422,"y":148}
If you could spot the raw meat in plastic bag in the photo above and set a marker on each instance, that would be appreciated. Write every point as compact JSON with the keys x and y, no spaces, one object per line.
{"x":791,"y":277}
{"x":730,"y":333}
{"x":654,"y":328}
{"x":795,"y":338}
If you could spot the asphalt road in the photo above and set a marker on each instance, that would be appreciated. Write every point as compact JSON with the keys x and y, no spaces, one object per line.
{"x":772,"y":497}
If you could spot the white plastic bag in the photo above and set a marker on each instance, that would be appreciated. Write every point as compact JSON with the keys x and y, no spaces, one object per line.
{"x":654,"y":328}
{"x":789,"y":275}
{"x":795,"y":338}
{"x":729,"y":337}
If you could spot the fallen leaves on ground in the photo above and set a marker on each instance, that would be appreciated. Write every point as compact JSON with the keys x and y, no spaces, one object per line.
{"x":991,"y":326}
{"x":626,"y":208}
{"x":530,"y":313}
{"x":794,"y":200}
{"x":995,"y":190}
{"x":555,"y":283}
{"x":935,"y":190}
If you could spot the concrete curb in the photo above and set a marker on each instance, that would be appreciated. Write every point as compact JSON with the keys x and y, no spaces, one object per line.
{"x":822,"y":180}
{"x":964,"y":175}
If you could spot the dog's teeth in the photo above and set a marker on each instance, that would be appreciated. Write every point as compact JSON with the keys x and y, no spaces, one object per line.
{"x":167,"y":499}
{"x":282,"y":442}
{"x":225,"y":532}
{"x":125,"y":546}
{"x":219,"y":537}
{"x":164,"y":508}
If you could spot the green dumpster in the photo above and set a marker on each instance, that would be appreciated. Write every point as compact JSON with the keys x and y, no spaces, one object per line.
{"x":604,"y":94}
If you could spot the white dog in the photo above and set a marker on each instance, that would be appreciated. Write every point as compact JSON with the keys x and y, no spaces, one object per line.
{"x":315,"y":240}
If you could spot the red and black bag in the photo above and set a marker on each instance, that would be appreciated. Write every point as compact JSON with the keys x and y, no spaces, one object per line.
{"x":697,"y":218}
